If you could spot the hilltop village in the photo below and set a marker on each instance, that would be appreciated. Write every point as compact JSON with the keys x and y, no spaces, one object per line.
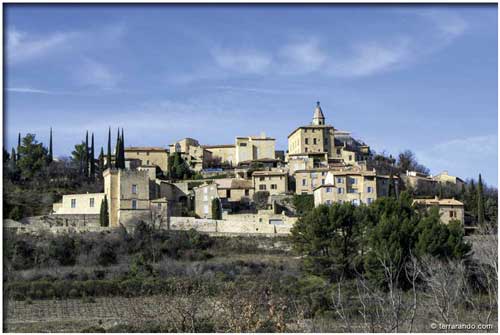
{"x":246,"y":186}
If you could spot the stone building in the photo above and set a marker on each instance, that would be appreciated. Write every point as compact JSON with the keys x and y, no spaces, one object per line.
{"x":308,"y":179}
{"x":254,"y":148}
{"x":87,"y":203}
{"x":417,"y":180}
{"x":192,"y":152}
{"x":224,"y":152}
{"x":149,"y":156}
{"x":274,"y":181}
{"x":445,"y":178}
{"x":203,"y":197}
{"x":449,"y":209}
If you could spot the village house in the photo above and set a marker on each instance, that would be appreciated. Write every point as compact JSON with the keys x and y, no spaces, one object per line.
{"x":274,"y":181}
{"x":191,"y":152}
{"x":449,"y":209}
{"x":149,"y":156}
{"x":418,"y":180}
{"x":445,"y":178}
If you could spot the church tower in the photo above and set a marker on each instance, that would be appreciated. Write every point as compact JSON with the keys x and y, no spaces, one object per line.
{"x":318,"y":118}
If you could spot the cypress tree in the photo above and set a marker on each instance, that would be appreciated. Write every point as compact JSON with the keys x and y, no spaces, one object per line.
{"x":216,"y":209}
{"x":108,"y":160}
{"x":104,"y":213}
{"x":92,"y":159}
{"x":86,"y":159}
{"x":122,"y":151}
{"x":480,"y":203}
{"x":117,"y":151}
{"x":50,"y":157}
{"x":101,"y":161}
{"x":18,"y":145}
{"x":472,"y":199}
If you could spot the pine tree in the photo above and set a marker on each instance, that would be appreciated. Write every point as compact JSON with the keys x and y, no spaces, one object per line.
{"x":86,"y":159}
{"x":101,"y":161}
{"x":480,"y":202}
{"x":92,"y":159}
{"x":108,"y":160}
{"x":50,"y":156}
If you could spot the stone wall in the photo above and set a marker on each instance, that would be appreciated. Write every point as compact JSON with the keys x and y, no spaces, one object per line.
{"x":63,"y":220}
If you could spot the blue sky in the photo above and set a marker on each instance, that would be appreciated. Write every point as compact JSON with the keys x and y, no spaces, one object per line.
{"x":398,"y":77}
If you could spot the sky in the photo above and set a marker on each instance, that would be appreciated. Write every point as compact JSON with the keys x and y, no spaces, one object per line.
{"x":418,"y":77}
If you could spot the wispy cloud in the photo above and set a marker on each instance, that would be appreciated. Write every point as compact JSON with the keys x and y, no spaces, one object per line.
{"x":22,"y":46}
{"x":303,"y":57}
{"x":96,"y":74}
{"x":28,"y":90}
{"x":248,"y":61}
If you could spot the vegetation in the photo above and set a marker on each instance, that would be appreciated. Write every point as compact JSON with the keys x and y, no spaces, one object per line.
{"x":216,"y":209}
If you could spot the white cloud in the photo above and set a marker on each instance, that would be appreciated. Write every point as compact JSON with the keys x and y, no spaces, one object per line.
{"x":244,"y":61}
{"x":28,"y":90}
{"x":371,"y":58}
{"x":22,"y":46}
{"x":448,"y":24}
{"x":303,"y":57}
{"x":93,"y":73}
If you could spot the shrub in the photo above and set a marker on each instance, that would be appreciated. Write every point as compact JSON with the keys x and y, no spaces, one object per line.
{"x":63,"y":249}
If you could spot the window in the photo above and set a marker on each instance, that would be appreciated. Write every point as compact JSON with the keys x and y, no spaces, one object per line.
{"x":134,"y":204}
{"x":147,"y":162}
{"x":323,"y":181}
{"x":159,"y":206}
{"x":452,"y":214}
{"x":340,"y":190}
{"x":274,"y":187}
{"x":304,"y":182}
{"x":350,"y":157}
{"x":247,"y":192}
{"x":147,"y":153}
{"x":228,"y":193}
{"x":262,"y":178}
{"x":323,"y":173}
{"x":338,"y":151}
{"x":307,"y":141}
{"x":242,"y":144}
{"x":369,"y":189}
{"x":369,"y":200}
{"x":134,"y":189}
{"x":352,"y":180}
{"x":205,"y":209}
{"x":306,"y":149}
{"x":262,"y":187}
{"x":328,"y":202}
{"x":91,"y":202}
{"x":328,"y":190}
{"x":314,"y":141}
{"x":339,"y":180}
{"x":355,"y":202}
{"x":73,"y":203}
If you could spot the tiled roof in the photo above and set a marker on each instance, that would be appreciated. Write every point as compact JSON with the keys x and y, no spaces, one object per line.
{"x":145,"y":149}
{"x":438,"y":202}
{"x":269,"y":173}
{"x":217,"y":146}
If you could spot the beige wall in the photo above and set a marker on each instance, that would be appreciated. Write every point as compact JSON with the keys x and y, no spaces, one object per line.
{"x":226,"y":153}
{"x":450,"y":212}
{"x":89,"y":203}
{"x":307,"y":180}
{"x":347,"y":187}
{"x":270,"y":182}
{"x":203,"y":197}
{"x":311,"y":139}
{"x":147,"y":157}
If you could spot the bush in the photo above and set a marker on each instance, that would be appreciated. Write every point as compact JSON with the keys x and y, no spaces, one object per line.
{"x":63,"y":249}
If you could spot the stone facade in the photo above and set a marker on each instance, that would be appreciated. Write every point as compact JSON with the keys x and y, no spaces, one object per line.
{"x":449,"y":209}
{"x":149,"y":156}
{"x":254,"y":148}
{"x":225,"y":152}
{"x":203,"y":197}
{"x":88,"y":203}
{"x":445,"y":178}
{"x":274,"y":182}
{"x":192,"y":153}
{"x":307,"y":180}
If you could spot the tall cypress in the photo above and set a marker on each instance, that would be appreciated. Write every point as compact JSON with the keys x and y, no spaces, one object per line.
{"x":117,"y":151}
{"x":101,"y":161}
{"x":108,"y":160}
{"x":104,"y":213}
{"x":13,"y":156}
{"x":18,"y":145}
{"x":122,"y":151}
{"x":480,"y":203}
{"x":50,"y":157}
{"x":92,"y":159}
{"x":86,"y":153}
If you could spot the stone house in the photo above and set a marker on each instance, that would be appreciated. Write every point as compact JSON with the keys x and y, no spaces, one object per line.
{"x":274,"y":181}
{"x":449,"y":209}
{"x":149,"y":156}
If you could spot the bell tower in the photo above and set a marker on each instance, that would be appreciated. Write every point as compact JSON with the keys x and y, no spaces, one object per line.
{"x":318,"y":117}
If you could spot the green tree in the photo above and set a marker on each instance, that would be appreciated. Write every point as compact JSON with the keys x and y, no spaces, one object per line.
{"x":122,"y":151}
{"x":101,"y":161}
{"x":216,"y":209}
{"x":480,"y":202}
{"x":92,"y":159}
{"x":33,"y":157}
{"x":104,"y":213}
{"x":329,"y":237}
{"x":303,"y":203}
{"x":18,"y":145}
{"x":260,"y":199}
{"x":50,"y":157}
{"x":86,"y":157}
{"x":108,"y":158}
